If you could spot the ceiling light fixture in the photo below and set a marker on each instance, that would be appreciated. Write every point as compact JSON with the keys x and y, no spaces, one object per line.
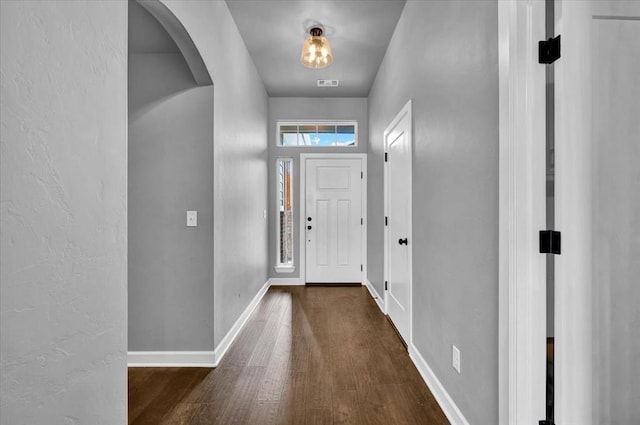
{"x":316,"y":50}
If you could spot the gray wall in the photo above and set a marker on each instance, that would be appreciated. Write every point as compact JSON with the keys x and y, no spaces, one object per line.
{"x":305,"y":108}
{"x":146,"y":34}
{"x":170,"y":172}
{"x":240,"y":159}
{"x":63,"y":244}
{"x":444,"y":56}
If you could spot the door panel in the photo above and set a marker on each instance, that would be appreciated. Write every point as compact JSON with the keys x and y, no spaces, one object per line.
{"x":616,"y":220}
{"x":334,"y":234}
{"x":597,"y":210}
{"x":398,"y":212}
{"x":333,"y":178}
{"x":398,"y":219}
{"x":322,"y":233}
{"x":344,"y":232}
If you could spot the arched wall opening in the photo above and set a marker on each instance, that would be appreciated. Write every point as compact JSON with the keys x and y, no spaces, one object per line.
{"x":170,"y":169}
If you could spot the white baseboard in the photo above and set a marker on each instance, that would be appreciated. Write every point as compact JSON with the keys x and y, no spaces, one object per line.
{"x":286,"y":281}
{"x":441,"y":395}
{"x":374,"y":294}
{"x":170,"y":359}
{"x":226,"y":342}
{"x":196,"y":358}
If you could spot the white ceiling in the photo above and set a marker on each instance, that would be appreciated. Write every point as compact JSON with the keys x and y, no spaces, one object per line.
{"x":358,"y":30}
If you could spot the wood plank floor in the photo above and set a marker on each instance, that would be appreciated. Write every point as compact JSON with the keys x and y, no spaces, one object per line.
{"x":307,"y":355}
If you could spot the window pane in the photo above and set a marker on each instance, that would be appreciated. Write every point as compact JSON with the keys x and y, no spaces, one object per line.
{"x":308,"y":128}
{"x":308,"y":135}
{"x":326,"y":135}
{"x":289,"y":139}
{"x":285,"y":211}
{"x":331,"y":129}
{"x":288,"y":135}
{"x":346,"y":135}
{"x":346,"y":129}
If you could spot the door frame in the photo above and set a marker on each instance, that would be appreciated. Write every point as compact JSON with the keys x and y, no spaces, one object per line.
{"x":406,"y":110}
{"x":522,"y":201}
{"x":302,"y":249}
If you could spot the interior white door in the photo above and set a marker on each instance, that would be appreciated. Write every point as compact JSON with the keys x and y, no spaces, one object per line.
{"x":398,"y":243}
{"x":597,"y":121}
{"x":334,"y":221}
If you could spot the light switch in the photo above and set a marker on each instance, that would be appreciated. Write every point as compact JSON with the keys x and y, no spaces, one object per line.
{"x":455,"y":358}
{"x":192,"y":218}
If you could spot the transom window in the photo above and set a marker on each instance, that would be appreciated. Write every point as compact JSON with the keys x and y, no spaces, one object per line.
{"x":318,"y":133}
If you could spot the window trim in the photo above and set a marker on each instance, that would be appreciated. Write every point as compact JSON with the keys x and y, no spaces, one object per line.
{"x":298,"y":123}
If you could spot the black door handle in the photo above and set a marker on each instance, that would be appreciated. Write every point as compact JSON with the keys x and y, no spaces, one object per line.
{"x":308,"y":218}
{"x":308,"y":227}
{"x":403,"y":241}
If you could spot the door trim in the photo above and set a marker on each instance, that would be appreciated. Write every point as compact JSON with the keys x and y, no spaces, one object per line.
{"x":522,"y":273}
{"x":302,"y":249}
{"x":405,"y":111}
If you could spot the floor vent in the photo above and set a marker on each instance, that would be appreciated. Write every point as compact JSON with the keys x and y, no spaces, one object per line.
{"x":328,"y":83}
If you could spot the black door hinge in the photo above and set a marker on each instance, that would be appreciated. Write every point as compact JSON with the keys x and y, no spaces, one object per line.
{"x":362,"y":174}
{"x":549,"y":242}
{"x":361,"y":221}
{"x":386,"y":221}
{"x":385,"y":285}
{"x":549,"y":50}
{"x":361,"y":268}
{"x":386,"y":157}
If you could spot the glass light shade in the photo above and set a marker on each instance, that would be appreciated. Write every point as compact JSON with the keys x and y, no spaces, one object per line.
{"x":316,"y":52}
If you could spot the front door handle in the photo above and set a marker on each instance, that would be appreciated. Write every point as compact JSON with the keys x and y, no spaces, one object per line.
{"x":403,"y":241}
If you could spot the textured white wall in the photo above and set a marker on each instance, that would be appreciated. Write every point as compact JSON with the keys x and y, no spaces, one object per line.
{"x":240,"y":111}
{"x":444,"y":56}
{"x":63,"y":246}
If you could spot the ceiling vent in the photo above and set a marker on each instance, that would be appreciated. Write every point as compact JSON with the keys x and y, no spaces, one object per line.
{"x":328,"y":83}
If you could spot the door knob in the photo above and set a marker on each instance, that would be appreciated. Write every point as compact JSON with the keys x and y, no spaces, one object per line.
{"x":403,"y":241}
{"x":308,"y":227}
{"x":308,"y":218}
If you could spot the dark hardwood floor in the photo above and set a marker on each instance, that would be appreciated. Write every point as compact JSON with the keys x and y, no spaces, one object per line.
{"x":307,"y":355}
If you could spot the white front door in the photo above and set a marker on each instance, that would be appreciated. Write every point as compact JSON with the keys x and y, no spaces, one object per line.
{"x":398,"y":242}
{"x":333,"y":224}
{"x":597,"y":295}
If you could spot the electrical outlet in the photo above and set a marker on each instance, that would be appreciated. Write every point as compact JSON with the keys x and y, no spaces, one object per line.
{"x":455,"y":358}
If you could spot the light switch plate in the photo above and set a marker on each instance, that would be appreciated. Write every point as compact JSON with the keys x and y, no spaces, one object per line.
{"x":192,"y":218}
{"x":455,"y":358}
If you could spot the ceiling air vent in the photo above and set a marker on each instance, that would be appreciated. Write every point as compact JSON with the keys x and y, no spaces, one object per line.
{"x":328,"y":83}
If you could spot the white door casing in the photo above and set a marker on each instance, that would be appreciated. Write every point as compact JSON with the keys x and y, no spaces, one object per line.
{"x":522,"y":277}
{"x":398,"y":240}
{"x":333,"y":200}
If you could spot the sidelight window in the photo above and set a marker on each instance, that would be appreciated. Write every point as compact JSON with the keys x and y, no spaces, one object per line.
{"x":285,"y":215}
